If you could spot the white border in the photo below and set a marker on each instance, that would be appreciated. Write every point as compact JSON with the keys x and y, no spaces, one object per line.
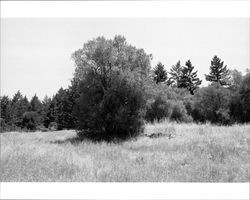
{"x":128,"y":9}
{"x":218,"y":191}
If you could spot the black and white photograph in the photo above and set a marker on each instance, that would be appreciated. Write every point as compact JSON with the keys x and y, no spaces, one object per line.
{"x":125,"y":99}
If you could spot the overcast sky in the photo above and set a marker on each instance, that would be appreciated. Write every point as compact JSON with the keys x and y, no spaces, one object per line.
{"x":35,"y":53}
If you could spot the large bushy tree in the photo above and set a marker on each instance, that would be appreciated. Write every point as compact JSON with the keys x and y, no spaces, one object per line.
{"x":106,"y":55}
{"x":114,"y":113}
{"x":218,"y":72}
{"x":112,"y":74}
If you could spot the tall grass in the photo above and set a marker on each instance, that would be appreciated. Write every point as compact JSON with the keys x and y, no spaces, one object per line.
{"x":194,"y":153}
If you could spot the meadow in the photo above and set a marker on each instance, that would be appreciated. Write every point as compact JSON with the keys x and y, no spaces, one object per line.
{"x":185,"y":153}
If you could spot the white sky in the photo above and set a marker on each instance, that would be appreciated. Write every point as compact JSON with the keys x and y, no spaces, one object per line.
{"x":35,"y":53}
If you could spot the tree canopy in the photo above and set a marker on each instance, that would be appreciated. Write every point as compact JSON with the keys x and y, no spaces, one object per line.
{"x":188,"y":78}
{"x":218,"y":72}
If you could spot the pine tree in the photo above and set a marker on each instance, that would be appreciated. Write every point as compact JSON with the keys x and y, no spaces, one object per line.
{"x":188,"y":78}
{"x":24,"y":104}
{"x":160,"y":74}
{"x":35,"y":104}
{"x":62,"y":108}
{"x":16,"y":111}
{"x":52,"y":114}
{"x":175,"y":73}
{"x":5,"y":109}
{"x":45,"y":110}
{"x":218,"y":72}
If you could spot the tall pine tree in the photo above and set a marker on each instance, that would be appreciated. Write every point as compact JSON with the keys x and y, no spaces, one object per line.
{"x":175,"y":73}
{"x":218,"y":72}
{"x":160,"y":74}
{"x":188,"y":78}
{"x":36,"y":104}
{"x":16,"y":110}
{"x":5,"y":109}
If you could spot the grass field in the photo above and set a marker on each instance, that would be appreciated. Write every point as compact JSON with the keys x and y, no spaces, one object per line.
{"x":195,"y":153}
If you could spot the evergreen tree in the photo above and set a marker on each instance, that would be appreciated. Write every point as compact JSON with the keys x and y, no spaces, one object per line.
{"x":24,"y":105}
{"x":16,"y":110}
{"x":160,"y":74}
{"x":62,"y":109}
{"x":35,"y":104}
{"x":5,"y":109}
{"x":175,"y":72}
{"x":218,"y":72}
{"x":188,"y":78}
{"x":52,"y":114}
{"x":45,"y":110}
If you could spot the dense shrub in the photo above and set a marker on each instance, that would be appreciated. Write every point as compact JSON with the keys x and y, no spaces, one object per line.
{"x":53,"y":126}
{"x":30,"y":120}
{"x":240,"y":103}
{"x":158,"y":110}
{"x":109,"y":111}
{"x":212,"y":104}
{"x":179,"y":113}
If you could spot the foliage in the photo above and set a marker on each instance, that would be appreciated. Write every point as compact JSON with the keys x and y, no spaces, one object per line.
{"x":218,"y":72}
{"x":212,"y":103}
{"x":109,"y":114}
{"x":188,"y":79}
{"x":5,"y":109}
{"x":108,"y":71}
{"x":158,"y":110}
{"x":160,"y":74}
{"x":235,"y":80}
{"x":106,"y":55}
{"x":240,"y":103}
{"x":245,"y":98}
{"x":179,"y":113}
{"x":111,"y":75}
{"x":30,"y":120}
{"x":35,"y":104}
{"x":175,"y":73}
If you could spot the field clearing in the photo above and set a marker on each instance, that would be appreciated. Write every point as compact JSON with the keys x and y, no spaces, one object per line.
{"x":194,"y":153}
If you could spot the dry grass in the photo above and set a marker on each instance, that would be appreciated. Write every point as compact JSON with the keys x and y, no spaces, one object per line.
{"x":196,"y":153}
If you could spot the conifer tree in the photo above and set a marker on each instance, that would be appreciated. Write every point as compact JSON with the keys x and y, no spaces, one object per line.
{"x":175,"y":73}
{"x":24,"y":104}
{"x":46,"y":105}
{"x":5,"y":108}
{"x":218,"y":72}
{"x":35,"y":104}
{"x":16,"y":111}
{"x":188,"y":78}
{"x":160,"y":74}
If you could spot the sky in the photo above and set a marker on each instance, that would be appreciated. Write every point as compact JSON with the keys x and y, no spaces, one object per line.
{"x":36,"y":52}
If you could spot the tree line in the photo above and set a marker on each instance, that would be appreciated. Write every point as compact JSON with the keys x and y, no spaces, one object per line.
{"x":114,"y":91}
